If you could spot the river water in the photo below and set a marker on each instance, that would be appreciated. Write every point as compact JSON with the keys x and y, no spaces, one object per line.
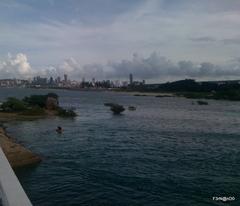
{"x":167,"y":152}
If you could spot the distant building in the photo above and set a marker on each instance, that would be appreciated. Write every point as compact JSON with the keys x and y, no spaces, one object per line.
{"x":58,"y":80}
{"x":116,"y":83}
{"x":93,"y":82}
{"x":65,"y":78}
{"x":39,"y":81}
{"x":130,"y":79}
{"x":51,"y":81}
{"x":13,"y":83}
{"x":124,"y":83}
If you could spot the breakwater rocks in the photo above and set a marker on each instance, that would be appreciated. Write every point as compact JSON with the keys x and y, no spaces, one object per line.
{"x":16,"y":154}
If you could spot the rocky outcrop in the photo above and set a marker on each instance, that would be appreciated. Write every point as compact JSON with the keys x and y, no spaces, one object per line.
{"x":51,"y":103}
{"x":16,"y":154}
{"x":202,"y":102}
{"x":132,"y":108}
{"x":117,"y":109}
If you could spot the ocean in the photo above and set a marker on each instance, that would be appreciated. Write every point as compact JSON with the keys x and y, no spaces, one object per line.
{"x":170,"y":151}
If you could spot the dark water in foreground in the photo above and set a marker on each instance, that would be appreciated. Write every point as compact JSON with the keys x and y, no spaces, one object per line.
{"x":168,"y":152}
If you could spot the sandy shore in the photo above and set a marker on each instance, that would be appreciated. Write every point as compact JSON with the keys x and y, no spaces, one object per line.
{"x":16,"y":154}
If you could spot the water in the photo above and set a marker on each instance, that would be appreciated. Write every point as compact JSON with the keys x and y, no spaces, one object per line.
{"x":167,"y":152}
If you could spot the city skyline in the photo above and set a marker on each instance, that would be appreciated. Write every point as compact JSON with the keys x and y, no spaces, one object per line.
{"x":66,"y":82}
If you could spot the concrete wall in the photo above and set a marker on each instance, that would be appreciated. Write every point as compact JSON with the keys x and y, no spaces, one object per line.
{"x":11,"y":191}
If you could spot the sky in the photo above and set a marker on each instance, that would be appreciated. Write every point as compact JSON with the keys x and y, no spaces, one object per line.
{"x":156,"y":40}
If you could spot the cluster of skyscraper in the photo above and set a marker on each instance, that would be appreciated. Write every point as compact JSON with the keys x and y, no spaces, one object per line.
{"x":45,"y":82}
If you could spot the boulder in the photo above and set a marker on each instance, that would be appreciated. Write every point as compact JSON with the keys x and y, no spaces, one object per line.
{"x":202,"y":102}
{"x":117,"y":109}
{"x":51,"y":103}
{"x":131,"y":108}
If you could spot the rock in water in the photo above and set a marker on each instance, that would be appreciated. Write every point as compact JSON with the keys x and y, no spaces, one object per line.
{"x":51,"y":103}
{"x":117,"y":109}
{"x":202,"y":102}
{"x":131,"y":108}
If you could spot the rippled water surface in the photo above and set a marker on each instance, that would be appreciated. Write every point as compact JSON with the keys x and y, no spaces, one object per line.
{"x":167,"y":152}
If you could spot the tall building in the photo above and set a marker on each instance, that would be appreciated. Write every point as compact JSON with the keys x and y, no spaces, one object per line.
{"x":51,"y":81}
{"x":58,"y":80}
{"x":130,"y":79}
{"x":65,"y":78}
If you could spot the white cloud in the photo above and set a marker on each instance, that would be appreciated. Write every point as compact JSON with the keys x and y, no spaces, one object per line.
{"x":153,"y":68}
{"x":199,"y":31}
{"x":145,"y":28}
{"x":15,"y":67}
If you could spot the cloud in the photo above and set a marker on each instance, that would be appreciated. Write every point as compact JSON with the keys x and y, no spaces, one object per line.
{"x":233,"y":41}
{"x":159,"y":67}
{"x":203,"y":39}
{"x":145,"y":68}
{"x":154,"y":68}
{"x":15,"y":67}
{"x":80,"y":29}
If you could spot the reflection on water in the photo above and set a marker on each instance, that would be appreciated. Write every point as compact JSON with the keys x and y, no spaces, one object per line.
{"x":168,"y":151}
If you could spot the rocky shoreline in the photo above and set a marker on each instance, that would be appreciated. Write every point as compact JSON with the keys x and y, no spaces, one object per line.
{"x":16,"y":154}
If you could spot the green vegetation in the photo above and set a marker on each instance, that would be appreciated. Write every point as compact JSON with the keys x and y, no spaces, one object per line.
{"x":13,"y":105}
{"x":36,"y":105}
{"x":189,"y":88}
{"x":233,"y":95}
{"x":34,"y":111}
{"x":39,"y":100}
{"x":36,"y":100}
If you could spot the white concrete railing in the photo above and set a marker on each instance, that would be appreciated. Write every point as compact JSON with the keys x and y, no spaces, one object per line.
{"x":11,"y":191}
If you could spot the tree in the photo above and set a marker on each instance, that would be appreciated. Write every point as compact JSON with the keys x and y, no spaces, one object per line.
{"x":13,"y":105}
